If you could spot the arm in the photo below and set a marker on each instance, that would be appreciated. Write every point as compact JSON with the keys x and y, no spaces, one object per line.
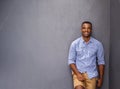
{"x":72,"y":60}
{"x":101,"y":63}
{"x":101,"y":73}
{"x":74,"y":69}
{"x":76,"y":72}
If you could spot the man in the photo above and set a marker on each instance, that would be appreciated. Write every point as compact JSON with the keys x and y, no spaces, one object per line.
{"x":86,"y":59}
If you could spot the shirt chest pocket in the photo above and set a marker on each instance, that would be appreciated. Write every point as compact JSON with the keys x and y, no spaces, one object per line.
{"x":80,"y":53}
{"x":89,"y":52}
{"x":92,"y":52}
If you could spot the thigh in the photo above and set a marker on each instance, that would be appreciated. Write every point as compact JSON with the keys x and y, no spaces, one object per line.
{"x":91,"y":83}
{"x":77,"y":84}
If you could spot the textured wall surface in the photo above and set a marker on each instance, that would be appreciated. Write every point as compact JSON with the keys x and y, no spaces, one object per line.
{"x":35,"y":36}
{"x":115,"y":45}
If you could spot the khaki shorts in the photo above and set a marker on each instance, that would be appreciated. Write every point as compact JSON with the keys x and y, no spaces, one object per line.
{"x":87,"y":84}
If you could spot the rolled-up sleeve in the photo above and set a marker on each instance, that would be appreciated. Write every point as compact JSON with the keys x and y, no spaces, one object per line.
{"x":100,"y":54}
{"x":72,"y":54}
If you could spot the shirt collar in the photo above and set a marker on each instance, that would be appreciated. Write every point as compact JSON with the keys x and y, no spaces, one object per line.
{"x":91,"y":40}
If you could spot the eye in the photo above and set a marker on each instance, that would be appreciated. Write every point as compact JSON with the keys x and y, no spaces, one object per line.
{"x":83,"y":27}
{"x":89,"y":28}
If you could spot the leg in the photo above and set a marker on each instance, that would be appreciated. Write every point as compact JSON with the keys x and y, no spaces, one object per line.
{"x":79,"y":87}
{"x":78,"y":84}
{"x":91,"y":83}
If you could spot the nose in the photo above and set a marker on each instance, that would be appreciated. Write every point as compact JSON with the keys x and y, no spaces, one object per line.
{"x":86,"y":29}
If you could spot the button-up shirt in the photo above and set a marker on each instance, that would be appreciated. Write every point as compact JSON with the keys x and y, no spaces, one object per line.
{"x":85,"y":55}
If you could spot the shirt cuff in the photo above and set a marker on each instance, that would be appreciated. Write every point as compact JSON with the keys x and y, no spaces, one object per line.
{"x":71,"y":62}
{"x":101,"y":62}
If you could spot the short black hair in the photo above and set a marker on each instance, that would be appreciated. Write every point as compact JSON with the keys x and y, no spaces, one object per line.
{"x":88,"y":22}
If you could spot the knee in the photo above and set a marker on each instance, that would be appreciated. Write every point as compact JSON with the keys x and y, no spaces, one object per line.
{"x":79,"y":87}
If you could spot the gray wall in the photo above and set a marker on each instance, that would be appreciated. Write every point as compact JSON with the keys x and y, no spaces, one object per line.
{"x":35,"y":36}
{"x":115,"y":45}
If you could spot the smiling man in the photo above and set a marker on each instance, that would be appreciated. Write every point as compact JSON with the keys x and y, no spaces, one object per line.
{"x":86,"y":60}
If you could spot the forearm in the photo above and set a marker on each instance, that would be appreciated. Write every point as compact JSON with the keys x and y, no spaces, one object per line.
{"x":101,"y":71}
{"x":74,"y":68}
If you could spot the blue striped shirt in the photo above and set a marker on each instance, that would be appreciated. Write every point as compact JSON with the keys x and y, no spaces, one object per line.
{"x":86,"y":55}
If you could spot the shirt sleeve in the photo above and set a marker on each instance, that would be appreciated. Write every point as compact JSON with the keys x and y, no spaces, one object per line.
{"x":100,"y":54}
{"x":72,"y":54}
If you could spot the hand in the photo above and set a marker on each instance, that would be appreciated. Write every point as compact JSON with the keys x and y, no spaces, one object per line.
{"x":80,"y":77}
{"x":99,"y":82}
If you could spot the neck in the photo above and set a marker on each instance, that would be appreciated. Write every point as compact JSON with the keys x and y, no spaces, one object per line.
{"x":86,"y":39}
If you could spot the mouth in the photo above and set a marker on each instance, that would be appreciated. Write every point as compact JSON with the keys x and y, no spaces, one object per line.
{"x":86,"y":33}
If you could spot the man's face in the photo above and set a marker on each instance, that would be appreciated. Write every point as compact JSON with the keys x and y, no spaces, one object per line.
{"x":86,"y":30}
